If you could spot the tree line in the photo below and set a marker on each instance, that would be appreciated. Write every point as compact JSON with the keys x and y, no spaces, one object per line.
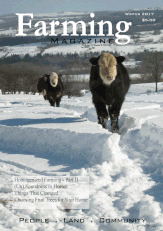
{"x":22,"y":73}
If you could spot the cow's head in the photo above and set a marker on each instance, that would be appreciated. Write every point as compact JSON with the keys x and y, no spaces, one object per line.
{"x":107,"y":66}
{"x":53,"y":79}
{"x":45,"y":81}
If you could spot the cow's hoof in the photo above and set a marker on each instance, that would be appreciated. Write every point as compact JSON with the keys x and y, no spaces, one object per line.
{"x":114,"y":127}
{"x":115,"y":130}
{"x":103,"y":122}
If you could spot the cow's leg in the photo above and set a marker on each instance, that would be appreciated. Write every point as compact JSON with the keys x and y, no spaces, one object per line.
{"x":52,"y":102}
{"x":114,"y":111}
{"x":102,"y":113}
{"x":58,"y":100}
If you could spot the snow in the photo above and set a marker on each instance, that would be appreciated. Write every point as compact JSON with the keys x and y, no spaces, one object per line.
{"x":22,"y":50}
{"x":10,"y":32}
{"x":131,"y":47}
{"x":125,"y":170}
{"x":123,"y":50}
{"x":62,"y":14}
{"x":135,"y":76}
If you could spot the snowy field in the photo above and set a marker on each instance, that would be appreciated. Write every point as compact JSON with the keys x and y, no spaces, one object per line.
{"x":33,"y":49}
{"x":125,"y":170}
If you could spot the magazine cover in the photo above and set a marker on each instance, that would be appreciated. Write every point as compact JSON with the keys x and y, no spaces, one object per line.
{"x":81,"y":118}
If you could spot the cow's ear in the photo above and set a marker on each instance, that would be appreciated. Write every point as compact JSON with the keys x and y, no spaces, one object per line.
{"x":60,"y":75}
{"x":120,"y":59}
{"x":93,"y":60}
{"x":45,"y":78}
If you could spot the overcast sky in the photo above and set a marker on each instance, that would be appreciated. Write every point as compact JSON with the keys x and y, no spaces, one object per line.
{"x":50,"y":6}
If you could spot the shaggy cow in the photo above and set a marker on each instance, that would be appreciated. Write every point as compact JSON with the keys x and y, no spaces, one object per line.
{"x":51,"y":87}
{"x":109,"y":83}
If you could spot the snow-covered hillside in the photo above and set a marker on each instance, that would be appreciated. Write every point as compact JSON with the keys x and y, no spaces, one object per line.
{"x":43,"y":48}
{"x":34,"y":48}
{"x":125,"y":170}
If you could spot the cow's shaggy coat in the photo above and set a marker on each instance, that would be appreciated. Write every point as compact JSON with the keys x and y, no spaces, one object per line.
{"x":109,"y":83}
{"x":51,"y":87}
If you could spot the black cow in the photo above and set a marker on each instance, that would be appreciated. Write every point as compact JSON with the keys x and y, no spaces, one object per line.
{"x":51,"y":87}
{"x":109,"y":83}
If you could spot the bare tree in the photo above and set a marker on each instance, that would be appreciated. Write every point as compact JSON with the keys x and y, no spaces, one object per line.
{"x":152,"y":64}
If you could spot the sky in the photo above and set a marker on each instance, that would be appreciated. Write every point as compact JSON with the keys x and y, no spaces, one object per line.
{"x":53,"y":6}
